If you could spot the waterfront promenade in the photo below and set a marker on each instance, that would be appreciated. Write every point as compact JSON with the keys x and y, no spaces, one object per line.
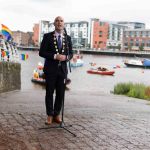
{"x":145,"y":54}
{"x":100,"y":122}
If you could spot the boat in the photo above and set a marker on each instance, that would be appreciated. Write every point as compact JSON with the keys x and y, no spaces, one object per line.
{"x":39,"y":77}
{"x":145,"y":63}
{"x":77,"y":61}
{"x":38,"y":74}
{"x":38,"y":80}
{"x":101,"y":71}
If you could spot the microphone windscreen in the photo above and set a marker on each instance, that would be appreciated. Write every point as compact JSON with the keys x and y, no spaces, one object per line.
{"x":65,"y":31}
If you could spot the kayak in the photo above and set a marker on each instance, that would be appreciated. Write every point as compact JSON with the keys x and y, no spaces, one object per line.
{"x":107,"y":72}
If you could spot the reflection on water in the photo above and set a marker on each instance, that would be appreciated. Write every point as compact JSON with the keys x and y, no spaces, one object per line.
{"x":81,"y":81}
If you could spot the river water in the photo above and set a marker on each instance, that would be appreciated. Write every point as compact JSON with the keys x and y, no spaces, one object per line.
{"x":81,"y":80}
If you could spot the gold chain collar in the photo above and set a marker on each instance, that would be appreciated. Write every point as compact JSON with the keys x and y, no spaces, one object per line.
{"x":55,"y":43}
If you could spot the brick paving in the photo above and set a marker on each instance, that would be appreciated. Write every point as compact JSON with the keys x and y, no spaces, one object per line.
{"x":100,"y":122}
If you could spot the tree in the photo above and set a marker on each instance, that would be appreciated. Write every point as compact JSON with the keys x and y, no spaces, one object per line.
{"x":129,"y":47}
{"x":119,"y":47}
{"x":141,"y":47}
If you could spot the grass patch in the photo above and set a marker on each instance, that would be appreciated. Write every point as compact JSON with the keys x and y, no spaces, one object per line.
{"x":137,"y":90}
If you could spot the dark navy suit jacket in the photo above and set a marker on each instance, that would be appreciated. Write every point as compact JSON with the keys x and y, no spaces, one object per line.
{"x":48,"y":50}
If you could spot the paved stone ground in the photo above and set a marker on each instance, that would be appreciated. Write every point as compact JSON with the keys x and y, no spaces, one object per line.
{"x":100,"y":122}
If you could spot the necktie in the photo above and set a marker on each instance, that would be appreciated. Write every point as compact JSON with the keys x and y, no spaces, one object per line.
{"x":59,"y":42}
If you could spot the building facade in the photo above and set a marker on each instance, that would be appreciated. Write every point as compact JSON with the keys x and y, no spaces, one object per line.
{"x":35,"y":37}
{"x":137,"y":39}
{"x":98,"y":34}
{"x":115,"y":36}
{"x":21,"y":38}
{"x":78,"y":32}
{"x":44,"y":27}
{"x":132,"y":25}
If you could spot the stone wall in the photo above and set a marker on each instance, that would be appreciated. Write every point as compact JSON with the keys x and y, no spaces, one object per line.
{"x":10,"y":76}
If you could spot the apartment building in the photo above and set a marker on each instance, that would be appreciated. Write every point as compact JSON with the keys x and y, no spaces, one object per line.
{"x":136,"y":39}
{"x":98,"y":34}
{"x":78,"y":32}
{"x":115,"y":36}
{"x":35,"y":37}
{"x":132,"y":25}
{"x":94,"y":33}
{"x":44,"y":27}
{"x":21,"y":38}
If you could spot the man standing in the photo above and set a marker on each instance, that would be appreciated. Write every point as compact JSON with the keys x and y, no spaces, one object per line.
{"x":56,"y":48}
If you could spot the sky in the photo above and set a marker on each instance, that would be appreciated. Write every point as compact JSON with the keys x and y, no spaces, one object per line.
{"x":23,"y":14}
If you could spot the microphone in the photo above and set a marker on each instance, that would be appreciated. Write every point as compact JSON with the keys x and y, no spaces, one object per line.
{"x":65,"y":31}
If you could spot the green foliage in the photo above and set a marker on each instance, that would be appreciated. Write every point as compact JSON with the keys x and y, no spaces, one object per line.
{"x":119,"y":46}
{"x":137,"y":91}
{"x":133,"y":90}
{"x":122,"y":88}
{"x":129,"y":47}
{"x":141,"y":47}
{"x":114,"y":47}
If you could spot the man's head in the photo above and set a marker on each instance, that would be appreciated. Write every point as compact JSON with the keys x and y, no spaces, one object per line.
{"x":59,"y":24}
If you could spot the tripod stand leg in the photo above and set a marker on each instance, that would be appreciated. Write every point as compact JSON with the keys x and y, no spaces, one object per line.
{"x":69,"y":131}
{"x":61,"y":126}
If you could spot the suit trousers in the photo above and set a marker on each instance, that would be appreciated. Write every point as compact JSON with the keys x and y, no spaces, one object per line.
{"x":54,"y":83}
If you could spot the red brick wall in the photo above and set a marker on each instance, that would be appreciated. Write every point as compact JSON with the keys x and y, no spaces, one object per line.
{"x":100,"y":34}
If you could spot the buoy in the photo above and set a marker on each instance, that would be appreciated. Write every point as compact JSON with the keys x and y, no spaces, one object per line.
{"x":35,"y":74}
{"x":40,"y":66}
{"x":118,"y":66}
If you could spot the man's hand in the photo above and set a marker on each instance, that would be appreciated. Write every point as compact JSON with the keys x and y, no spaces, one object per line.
{"x":61,"y":57}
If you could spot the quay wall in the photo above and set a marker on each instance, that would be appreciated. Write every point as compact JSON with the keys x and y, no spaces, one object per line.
{"x":10,"y":76}
{"x":142,"y":54}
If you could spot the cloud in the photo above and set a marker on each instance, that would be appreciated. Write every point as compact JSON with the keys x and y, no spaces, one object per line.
{"x":22,"y":14}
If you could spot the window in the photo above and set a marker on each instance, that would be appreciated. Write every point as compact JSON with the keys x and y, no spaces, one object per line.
{"x":143,"y":34}
{"x":126,"y":44}
{"x":100,"y":33}
{"x":143,"y":43}
{"x":101,"y":23}
{"x":137,"y":43}
{"x":148,"y":43}
{"x":137,"y":33}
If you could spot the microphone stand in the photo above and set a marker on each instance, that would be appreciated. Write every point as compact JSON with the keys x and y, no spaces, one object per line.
{"x":67,"y":47}
{"x":62,"y":124}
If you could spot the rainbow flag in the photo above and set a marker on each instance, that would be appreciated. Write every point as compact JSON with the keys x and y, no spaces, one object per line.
{"x":24,"y":56}
{"x":6,"y":32}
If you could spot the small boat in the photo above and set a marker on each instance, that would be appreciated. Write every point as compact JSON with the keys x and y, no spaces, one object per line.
{"x":103,"y":71}
{"x":145,"y":63}
{"x":77,"y":61}
{"x":39,"y":77}
{"x":38,"y":74}
{"x":38,"y":80}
